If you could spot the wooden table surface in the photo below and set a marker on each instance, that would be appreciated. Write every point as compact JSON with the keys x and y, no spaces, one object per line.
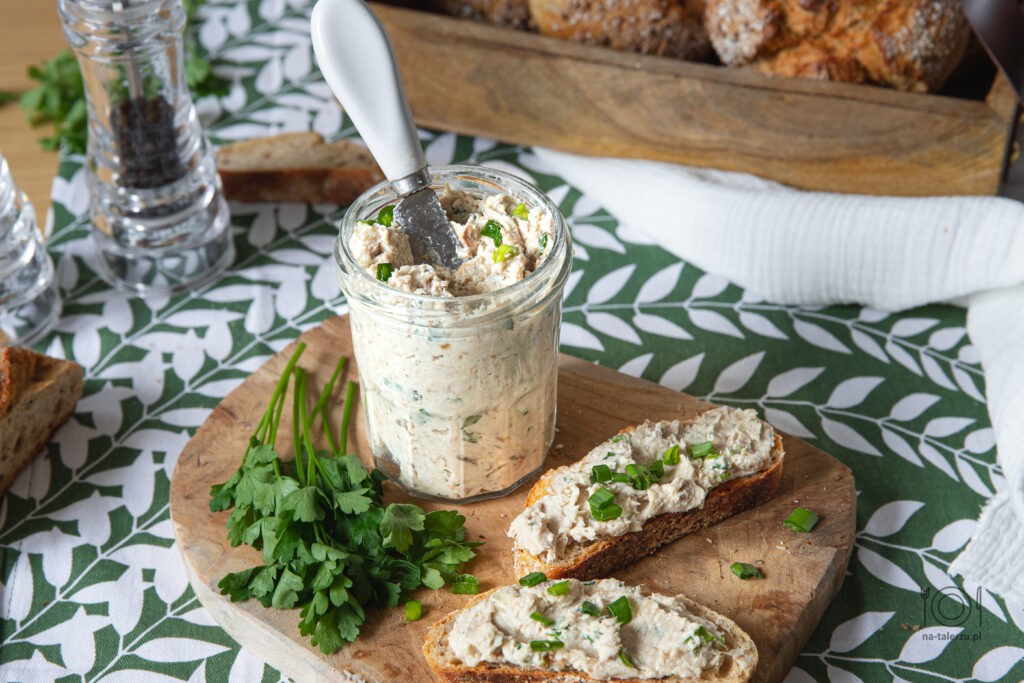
{"x":29,"y":33}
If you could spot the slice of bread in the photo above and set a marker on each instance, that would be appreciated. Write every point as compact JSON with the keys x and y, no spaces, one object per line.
{"x":296,"y":167}
{"x":737,"y":665}
{"x":37,"y":395}
{"x":585,"y":560}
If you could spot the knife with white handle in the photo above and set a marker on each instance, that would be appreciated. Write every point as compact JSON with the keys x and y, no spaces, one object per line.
{"x":355,"y":57}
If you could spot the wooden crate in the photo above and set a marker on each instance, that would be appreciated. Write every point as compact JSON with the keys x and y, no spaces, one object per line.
{"x":524,"y":88}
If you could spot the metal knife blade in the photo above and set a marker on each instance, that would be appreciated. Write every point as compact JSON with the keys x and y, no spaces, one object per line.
{"x":423,"y":219}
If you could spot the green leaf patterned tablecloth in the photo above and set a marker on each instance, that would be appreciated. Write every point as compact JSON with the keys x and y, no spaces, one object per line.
{"x":93,"y":588}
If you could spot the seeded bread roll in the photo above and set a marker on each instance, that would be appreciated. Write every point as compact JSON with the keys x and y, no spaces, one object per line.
{"x":907,"y":44}
{"x":37,"y":395}
{"x":512,"y":13}
{"x":296,"y":167}
{"x":668,"y":28}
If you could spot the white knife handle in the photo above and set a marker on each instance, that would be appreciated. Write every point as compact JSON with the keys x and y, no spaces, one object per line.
{"x":355,"y":57}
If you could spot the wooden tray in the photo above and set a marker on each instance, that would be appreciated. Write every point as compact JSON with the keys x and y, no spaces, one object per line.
{"x":802,"y":572}
{"x":524,"y":88}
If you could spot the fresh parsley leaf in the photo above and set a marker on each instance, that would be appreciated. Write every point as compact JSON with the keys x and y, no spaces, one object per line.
{"x":400,"y":520}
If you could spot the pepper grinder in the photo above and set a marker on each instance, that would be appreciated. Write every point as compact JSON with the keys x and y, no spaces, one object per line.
{"x":29,"y":302}
{"x":160,"y":223}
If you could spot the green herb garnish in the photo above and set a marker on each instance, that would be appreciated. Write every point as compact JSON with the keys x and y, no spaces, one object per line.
{"x":607,"y":513}
{"x":657,"y":469}
{"x":560,"y":588}
{"x":532,"y":579}
{"x":637,"y":478}
{"x":546,"y":645}
{"x":537,"y":616}
{"x":384,"y":271}
{"x":624,"y":656}
{"x":620,"y":477}
{"x":600,"y":498}
{"x":746,"y":571}
{"x":505,"y":252}
{"x":600,"y":474}
{"x":621,"y":610}
{"x":671,"y":455}
{"x":386,"y":216}
{"x":705,"y":637}
{"x":520,"y":211}
{"x":590,"y":608}
{"x":492,"y":229}
{"x":703,"y":449}
{"x":465,"y":584}
{"x":330,"y":546}
{"x":801,"y":520}
{"x":413,"y":610}
{"x":618,"y":438}
{"x":543,"y":239}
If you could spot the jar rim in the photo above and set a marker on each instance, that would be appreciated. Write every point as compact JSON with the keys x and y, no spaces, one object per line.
{"x":558,"y":261}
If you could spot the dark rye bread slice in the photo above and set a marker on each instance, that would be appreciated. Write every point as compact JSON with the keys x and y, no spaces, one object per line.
{"x":600,"y":558}
{"x":450,"y":670}
{"x":296,"y":167}
{"x":37,"y":395}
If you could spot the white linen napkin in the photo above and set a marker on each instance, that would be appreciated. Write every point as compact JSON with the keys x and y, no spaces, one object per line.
{"x":891,"y":253}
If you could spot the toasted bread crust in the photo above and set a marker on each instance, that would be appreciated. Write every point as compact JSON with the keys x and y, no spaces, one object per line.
{"x":594,"y":560}
{"x":435,"y":648}
{"x":37,"y":395}
{"x":296,"y":167}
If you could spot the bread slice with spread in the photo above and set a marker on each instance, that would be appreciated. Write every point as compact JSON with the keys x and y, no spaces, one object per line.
{"x":572,"y":631}
{"x":643,"y":488}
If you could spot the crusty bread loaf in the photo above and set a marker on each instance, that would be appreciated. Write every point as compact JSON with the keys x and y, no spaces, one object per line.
{"x":603,"y":556}
{"x":668,"y":28}
{"x":450,"y":670}
{"x":37,"y":394}
{"x":514,"y":13}
{"x":908,"y":44}
{"x":296,"y":167}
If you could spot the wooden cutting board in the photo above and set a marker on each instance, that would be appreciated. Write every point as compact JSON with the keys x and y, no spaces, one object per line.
{"x":803,"y":572}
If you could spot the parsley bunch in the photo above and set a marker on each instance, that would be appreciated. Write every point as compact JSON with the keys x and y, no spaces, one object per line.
{"x":59,"y":97}
{"x":330,"y":546}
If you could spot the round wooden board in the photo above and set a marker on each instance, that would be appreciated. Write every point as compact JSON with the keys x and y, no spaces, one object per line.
{"x":803,"y":572}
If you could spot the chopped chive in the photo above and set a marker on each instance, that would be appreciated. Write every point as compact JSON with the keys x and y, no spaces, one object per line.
{"x":505,"y":252}
{"x":702,"y":449}
{"x":600,"y":474}
{"x":671,"y":455}
{"x":532,"y":579}
{"x":543,"y":241}
{"x":620,"y":477}
{"x":746,"y":571}
{"x":413,"y":610}
{"x":384,"y":271}
{"x":657,"y":469}
{"x":624,"y":656}
{"x":546,"y":645}
{"x":590,"y":608}
{"x":537,"y":616}
{"x":607,"y":513}
{"x":465,"y":584}
{"x":620,"y":609}
{"x":560,"y":588}
{"x":492,"y":229}
{"x":801,"y":520}
{"x":618,"y":437}
{"x":520,"y":211}
{"x":386,"y":216}
{"x":637,"y":479}
{"x":706,"y":637}
{"x":600,"y":498}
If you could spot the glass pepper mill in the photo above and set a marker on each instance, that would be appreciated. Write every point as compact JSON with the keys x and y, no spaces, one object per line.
{"x":29,"y":302}
{"x":159,"y":221}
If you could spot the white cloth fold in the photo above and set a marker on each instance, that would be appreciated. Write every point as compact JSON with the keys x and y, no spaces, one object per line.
{"x":891,"y":253}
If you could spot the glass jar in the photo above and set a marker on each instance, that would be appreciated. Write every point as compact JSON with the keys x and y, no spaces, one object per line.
{"x":159,"y":221}
{"x":29,"y":302}
{"x":458,"y":393}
